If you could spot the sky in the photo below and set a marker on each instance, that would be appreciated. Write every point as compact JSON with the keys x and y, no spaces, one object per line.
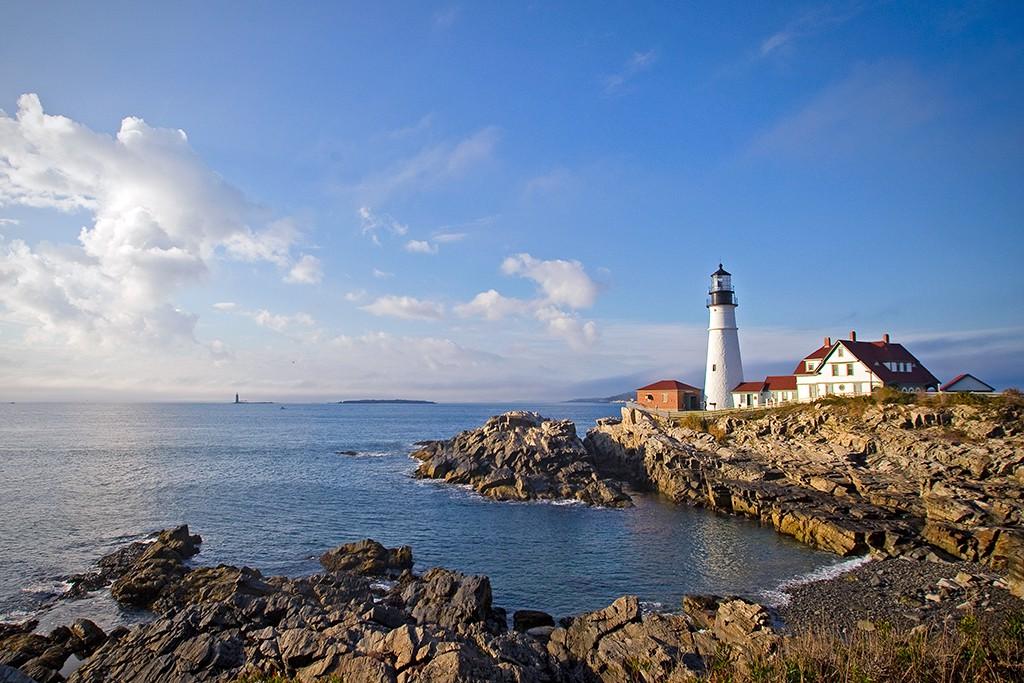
{"x":499,"y":201}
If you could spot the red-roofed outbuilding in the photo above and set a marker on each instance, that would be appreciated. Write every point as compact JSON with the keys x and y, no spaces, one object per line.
{"x":669,"y":394}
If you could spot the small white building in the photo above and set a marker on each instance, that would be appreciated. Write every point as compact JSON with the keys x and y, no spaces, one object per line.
{"x":967,"y":383}
{"x":775,"y":390}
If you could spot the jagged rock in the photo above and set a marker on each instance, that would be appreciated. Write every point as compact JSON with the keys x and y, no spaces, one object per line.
{"x":521,"y":456}
{"x":156,"y":569}
{"x":9,"y":674}
{"x":526,"y":619}
{"x":449,"y":598}
{"x":367,"y":557}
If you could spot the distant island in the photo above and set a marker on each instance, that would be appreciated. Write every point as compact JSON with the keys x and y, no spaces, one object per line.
{"x":617,"y":398}
{"x":389,"y":400}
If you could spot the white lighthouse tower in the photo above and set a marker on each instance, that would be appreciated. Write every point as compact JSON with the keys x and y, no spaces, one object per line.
{"x":725,"y":368}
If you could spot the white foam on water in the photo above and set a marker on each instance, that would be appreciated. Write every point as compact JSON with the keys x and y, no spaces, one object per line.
{"x":779,"y":597}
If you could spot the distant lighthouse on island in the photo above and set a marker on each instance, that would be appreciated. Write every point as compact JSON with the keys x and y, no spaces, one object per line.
{"x":725,"y":367}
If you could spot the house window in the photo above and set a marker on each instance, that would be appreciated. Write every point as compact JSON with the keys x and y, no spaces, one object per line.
{"x":835,"y":369}
{"x":750,"y":399}
{"x":714,"y":366}
{"x":840,"y":352}
{"x":842,"y":387}
{"x":650,"y":397}
{"x":664,"y":397}
{"x":849,"y":369}
{"x":810,"y":366}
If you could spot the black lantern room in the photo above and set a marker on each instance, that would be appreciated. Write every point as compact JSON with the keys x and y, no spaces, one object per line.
{"x":721,"y":292}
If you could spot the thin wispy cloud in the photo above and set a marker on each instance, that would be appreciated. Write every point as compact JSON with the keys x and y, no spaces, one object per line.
{"x":637,"y":63}
{"x":445,"y":18}
{"x":809,"y":23}
{"x":9,"y":221}
{"x":430,"y":167}
{"x":868,"y":110}
{"x":375,"y":226}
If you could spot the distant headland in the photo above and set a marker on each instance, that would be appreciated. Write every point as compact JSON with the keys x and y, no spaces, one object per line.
{"x":617,"y":398}
{"x":389,"y":400}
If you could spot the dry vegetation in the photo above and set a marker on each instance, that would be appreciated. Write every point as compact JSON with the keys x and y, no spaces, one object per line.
{"x":968,"y":652}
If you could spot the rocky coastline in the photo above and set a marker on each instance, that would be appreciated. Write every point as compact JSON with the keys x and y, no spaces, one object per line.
{"x":932,"y":493}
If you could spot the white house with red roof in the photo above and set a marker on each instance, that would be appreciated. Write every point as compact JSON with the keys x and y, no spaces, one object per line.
{"x":845,"y":367}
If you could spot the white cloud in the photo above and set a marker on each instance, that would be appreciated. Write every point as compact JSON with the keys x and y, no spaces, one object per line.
{"x":491,"y":305}
{"x":420,"y":247}
{"x":9,"y":221}
{"x":445,"y":18}
{"x":637,"y":63}
{"x":225,"y":305}
{"x":307,"y":270}
{"x":159,"y":215}
{"x":405,"y":307}
{"x":281,"y":323}
{"x":579,"y":334}
{"x":445,"y":237}
{"x":355,"y":296}
{"x":374,"y":225}
{"x":562,"y":282}
{"x":382,"y":274}
{"x":810,"y":23}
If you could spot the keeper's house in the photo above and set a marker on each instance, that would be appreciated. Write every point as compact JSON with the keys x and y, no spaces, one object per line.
{"x":846,"y":367}
{"x":668,"y":394}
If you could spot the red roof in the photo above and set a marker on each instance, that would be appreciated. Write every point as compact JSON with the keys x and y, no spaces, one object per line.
{"x":951,"y":383}
{"x":875,"y":354}
{"x":780,"y":382}
{"x":817,"y":354}
{"x":668,"y":384}
{"x":770,"y":383}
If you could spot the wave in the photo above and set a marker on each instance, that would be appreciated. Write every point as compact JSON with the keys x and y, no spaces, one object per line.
{"x":779,"y":596}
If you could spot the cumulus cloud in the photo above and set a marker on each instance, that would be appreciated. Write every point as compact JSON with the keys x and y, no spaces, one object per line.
{"x":491,"y":305}
{"x":307,"y":271}
{"x":405,"y":307}
{"x":562,"y":282}
{"x":159,"y":215}
{"x":420,"y":247}
{"x":281,"y":323}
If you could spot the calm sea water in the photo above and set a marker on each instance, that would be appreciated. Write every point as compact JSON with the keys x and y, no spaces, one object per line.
{"x":265,"y":488}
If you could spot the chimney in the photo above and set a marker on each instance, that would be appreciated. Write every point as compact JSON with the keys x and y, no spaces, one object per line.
{"x":828,"y":341}
{"x":885,"y":338}
{"x":853,"y":335}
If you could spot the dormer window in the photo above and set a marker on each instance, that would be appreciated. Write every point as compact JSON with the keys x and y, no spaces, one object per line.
{"x":810,"y":366}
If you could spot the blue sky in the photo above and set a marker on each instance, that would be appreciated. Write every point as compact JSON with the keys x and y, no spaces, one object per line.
{"x":361,"y":178}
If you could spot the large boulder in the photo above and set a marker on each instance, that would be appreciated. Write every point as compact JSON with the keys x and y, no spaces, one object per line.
{"x":451,"y":599}
{"x":521,"y":455}
{"x":367,"y":557}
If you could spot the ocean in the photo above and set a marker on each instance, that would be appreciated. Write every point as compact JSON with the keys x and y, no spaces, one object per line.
{"x":265,"y":487}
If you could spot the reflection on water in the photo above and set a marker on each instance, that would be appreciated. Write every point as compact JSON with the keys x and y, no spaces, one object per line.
{"x":265,"y":487}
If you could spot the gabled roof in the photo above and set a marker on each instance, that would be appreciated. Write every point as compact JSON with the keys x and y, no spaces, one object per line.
{"x":667,"y":384}
{"x":770,"y":383}
{"x":949,"y":386}
{"x":817,"y":354}
{"x":780,"y":382}
{"x":874,"y":354}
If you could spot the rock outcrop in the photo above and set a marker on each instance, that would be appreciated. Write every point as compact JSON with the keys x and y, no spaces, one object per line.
{"x":224,"y":623}
{"x":521,"y":456}
{"x":367,"y":557}
{"x":894,"y":479}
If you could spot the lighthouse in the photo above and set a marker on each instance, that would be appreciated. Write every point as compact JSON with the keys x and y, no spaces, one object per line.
{"x":725,"y":368}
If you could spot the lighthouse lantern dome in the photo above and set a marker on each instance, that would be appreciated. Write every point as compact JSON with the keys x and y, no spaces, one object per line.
{"x":721,"y":292}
